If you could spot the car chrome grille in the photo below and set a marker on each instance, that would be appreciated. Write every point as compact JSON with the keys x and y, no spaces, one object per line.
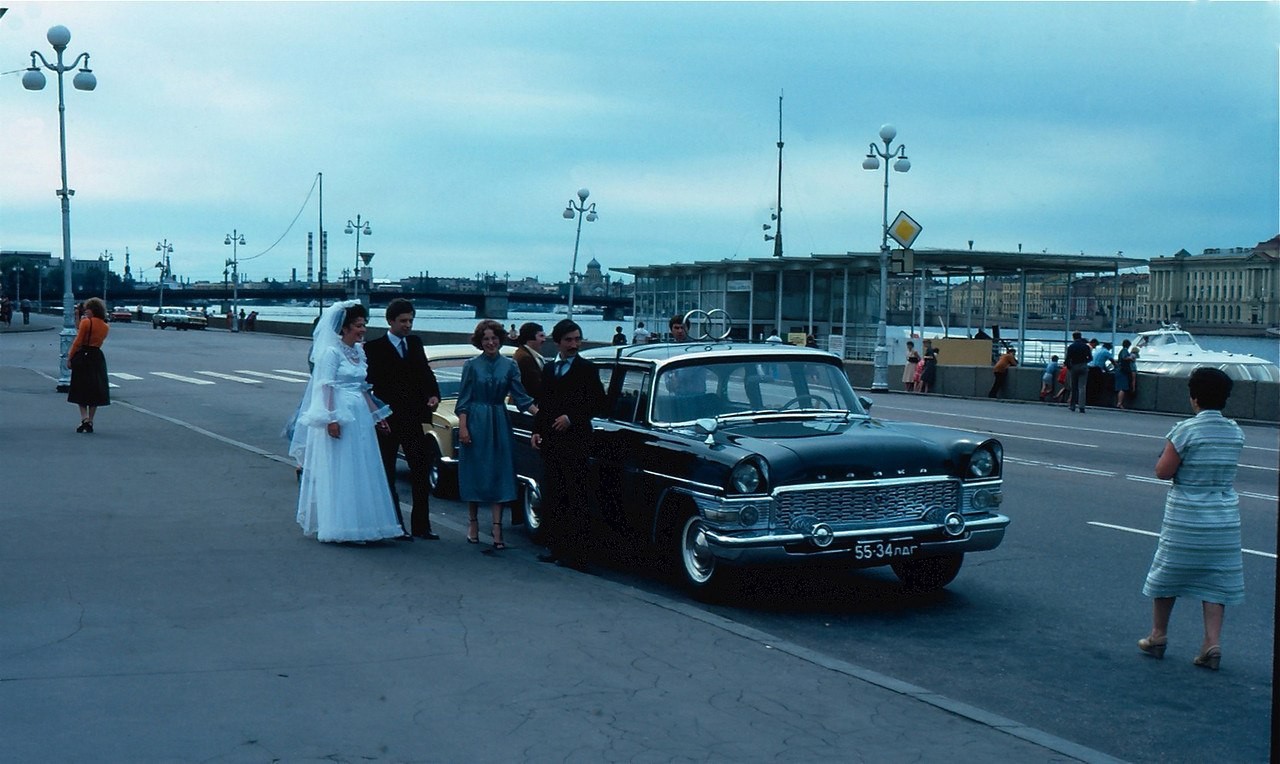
{"x":863,"y":505}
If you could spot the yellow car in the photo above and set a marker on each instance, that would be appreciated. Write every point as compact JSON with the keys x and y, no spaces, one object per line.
{"x":446,"y":361}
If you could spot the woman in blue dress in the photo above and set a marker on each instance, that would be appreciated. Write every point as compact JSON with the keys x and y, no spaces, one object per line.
{"x":486,"y":461}
{"x":1198,"y":554}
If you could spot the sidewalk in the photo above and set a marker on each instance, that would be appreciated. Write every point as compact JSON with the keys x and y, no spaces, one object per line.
{"x":158,"y":603}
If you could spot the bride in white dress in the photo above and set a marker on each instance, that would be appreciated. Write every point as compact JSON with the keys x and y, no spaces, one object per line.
{"x":343,"y":494}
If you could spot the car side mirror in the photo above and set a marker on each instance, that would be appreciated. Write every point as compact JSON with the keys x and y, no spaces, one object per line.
{"x":866,"y":402}
{"x":709,"y":424}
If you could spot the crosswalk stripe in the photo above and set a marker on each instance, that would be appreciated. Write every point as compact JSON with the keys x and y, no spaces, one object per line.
{"x":291,"y":371}
{"x":180,"y":378}
{"x":122,"y":375}
{"x":265,"y":375}
{"x":231,"y":377}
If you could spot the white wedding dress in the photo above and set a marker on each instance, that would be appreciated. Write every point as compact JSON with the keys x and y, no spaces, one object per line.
{"x":344,"y":494}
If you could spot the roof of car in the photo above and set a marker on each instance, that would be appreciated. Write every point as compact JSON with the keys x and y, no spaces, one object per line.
{"x":459,"y":350}
{"x":670,"y":351}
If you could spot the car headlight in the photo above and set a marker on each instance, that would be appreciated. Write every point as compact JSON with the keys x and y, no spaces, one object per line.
{"x":982,"y":463}
{"x":747,"y":478}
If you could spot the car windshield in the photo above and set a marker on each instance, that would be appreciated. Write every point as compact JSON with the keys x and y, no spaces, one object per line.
{"x":448,"y":373}
{"x":693,"y":391}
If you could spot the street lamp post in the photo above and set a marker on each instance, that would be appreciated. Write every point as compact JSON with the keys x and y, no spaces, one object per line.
{"x":880,"y":378}
{"x":105,"y":259}
{"x":357,"y":228}
{"x":235,"y":239}
{"x":583,"y":210}
{"x":165,"y":249}
{"x":33,"y":79}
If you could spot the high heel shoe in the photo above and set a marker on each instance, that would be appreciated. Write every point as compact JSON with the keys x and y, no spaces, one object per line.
{"x":1209,"y":658}
{"x":1153,"y":647}
{"x":497,"y":542}
{"x":473,"y":532}
{"x":85,"y":426}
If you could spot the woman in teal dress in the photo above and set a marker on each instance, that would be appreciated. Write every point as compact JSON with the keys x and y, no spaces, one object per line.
{"x":486,"y":461}
{"x":1198,"y":554}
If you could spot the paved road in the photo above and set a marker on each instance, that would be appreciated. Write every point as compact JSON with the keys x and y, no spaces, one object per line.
{"x":1040,"y":631}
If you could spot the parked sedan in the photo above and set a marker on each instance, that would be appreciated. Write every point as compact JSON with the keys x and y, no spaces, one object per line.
{"x":723,"y":454}
{"x":178,"y":318}
{"x":446,"y":362}
{"x":121,"y":315}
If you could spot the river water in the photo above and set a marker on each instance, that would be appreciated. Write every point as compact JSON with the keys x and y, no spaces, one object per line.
{"x":596,"y":329}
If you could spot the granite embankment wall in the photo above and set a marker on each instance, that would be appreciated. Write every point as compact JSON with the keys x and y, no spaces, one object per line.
{"x":1253,"y":401}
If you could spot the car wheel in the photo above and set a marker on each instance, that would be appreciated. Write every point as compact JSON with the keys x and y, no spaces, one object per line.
{"x":696,"y":566}
{"x":444,"y":482}
{"x":929,"y":573}
{"x":531,"y":508}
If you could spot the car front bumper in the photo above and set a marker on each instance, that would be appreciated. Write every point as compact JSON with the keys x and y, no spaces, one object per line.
{"x":766,"y":547}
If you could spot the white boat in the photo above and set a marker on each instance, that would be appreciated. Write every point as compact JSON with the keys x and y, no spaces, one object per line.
{"x":1172,"y":351}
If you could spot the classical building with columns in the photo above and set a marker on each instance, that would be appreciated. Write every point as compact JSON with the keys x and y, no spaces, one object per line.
{"x":1227,"y":287}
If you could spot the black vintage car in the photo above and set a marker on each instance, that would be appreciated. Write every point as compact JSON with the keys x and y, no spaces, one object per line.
{"x":743,"y":454}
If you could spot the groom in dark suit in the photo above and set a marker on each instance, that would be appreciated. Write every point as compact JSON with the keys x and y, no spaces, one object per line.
{"x":571,"y":395}
{"x":402,"y":379}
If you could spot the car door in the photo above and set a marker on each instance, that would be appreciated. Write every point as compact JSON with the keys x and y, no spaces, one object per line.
{"x":622,"y":439}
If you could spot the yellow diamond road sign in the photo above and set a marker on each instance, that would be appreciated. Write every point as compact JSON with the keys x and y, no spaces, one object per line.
{"x":904,"y":230}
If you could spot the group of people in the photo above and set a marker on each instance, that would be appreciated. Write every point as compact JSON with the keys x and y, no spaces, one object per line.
{"x":1084,"y":370}
{"x":366,"y":402}
{"x":921,"y":369}
{"x":6,"y":311}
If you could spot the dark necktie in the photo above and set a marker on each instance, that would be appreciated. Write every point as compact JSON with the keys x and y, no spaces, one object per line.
{"x":561,"y":368}
{"x":401,"y":348}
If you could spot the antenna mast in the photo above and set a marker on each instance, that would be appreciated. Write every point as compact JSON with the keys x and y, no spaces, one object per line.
{"x":777,"y":236}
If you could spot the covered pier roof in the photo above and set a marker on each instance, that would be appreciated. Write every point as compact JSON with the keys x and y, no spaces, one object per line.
{"x":943,"y":262}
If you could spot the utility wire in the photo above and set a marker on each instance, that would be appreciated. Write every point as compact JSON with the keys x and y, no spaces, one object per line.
{"x":292,"y":223}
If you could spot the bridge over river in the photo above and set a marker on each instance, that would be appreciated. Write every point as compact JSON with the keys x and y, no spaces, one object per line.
{"x":493,"y":303}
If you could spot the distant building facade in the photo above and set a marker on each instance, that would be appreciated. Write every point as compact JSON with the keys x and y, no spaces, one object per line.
{"x":1235,"y":286}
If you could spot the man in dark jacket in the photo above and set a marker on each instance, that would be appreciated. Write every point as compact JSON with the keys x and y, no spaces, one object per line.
{"x":401,"y":378}
{"x":1079,"y":354}
{"x":571,"y":396}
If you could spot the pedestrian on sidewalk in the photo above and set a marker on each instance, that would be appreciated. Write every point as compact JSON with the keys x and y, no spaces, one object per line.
{"x":89,"y":387}
{"x":1078,"y":355}
{"x":26,"y":311}
{"x":909,"y":368}
{"x":402,"y":378}
{"x":343,"y":495}
{"x":1047,"y":379}
{"x":1001,"y":371}
{"x":928,"y":368}
{"x":1198,"y":554}
{"x":1124,"y":374}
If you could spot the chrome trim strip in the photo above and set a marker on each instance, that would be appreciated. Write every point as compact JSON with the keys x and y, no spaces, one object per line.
{"x":718,"y":491}
{"x":888,"y":533}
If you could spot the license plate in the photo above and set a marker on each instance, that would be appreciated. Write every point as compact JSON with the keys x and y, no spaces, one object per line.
{"x":883,"y":550}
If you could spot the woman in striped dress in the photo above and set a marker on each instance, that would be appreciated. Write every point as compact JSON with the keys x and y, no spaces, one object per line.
{"x":1198,"y":554}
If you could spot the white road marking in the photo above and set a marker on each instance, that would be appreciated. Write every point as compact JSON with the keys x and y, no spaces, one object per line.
{"x":122,"y":375}
{"x":291,"y":371}
{"x":1157,"y":535}
{"x":1167,"y":483}
{"x":1055,"y":426}
{"x":265,"y":375}
{"x":180,"y":378}
{"x":1259,"y":467}
{"x":1050,"y":441}
{"x":1060,"y":467}
{"x":230,"y":377}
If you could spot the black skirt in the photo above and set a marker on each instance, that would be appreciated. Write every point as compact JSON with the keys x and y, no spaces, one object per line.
{"x":89,"y":385}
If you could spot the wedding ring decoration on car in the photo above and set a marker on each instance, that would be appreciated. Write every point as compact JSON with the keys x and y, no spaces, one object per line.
{"x":708,"y":322}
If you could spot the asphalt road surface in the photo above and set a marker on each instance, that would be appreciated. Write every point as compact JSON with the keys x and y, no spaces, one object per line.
{"x":1040,"y":630}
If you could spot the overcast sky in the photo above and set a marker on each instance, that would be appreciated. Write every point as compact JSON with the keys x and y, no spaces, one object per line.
{"x":462,"y":130}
